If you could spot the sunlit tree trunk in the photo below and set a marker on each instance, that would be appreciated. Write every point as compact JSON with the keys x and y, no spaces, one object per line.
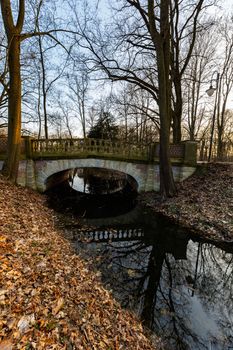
{"x":14,"y":110}
{"x":14,"y":94}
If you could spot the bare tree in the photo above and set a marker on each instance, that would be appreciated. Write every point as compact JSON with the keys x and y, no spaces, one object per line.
{"x":186,"y":25}
{"x":225,"y":83}
{"x":79,"y":84}
{"x":15,"y":37}
{"x":13,"y":32}
{"x":145,"y":50}
{"x":67,"y":115}
{"x":197,"y":74}
{"x":137,"y":112}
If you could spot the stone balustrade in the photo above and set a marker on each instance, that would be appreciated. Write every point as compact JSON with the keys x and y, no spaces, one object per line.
{"x":183,"y":153}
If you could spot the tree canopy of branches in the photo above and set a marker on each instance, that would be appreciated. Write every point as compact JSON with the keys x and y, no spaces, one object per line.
{"x":14,"y":20}
{"x":150,"y":46}
{"x":158,"y":55}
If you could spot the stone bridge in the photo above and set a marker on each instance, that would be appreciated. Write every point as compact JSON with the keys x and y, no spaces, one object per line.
{"x":41,"y":159}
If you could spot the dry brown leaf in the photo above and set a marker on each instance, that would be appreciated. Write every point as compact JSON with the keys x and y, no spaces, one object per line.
{"x":6,"y":345}
{"x":59,"y":305}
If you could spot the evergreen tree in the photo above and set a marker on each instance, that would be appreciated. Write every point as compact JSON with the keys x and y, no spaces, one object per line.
{"x":104,"y":128}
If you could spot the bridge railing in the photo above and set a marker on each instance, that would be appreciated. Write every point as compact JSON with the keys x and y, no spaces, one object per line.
{"x":184,"y":152}
{"x":88,"y":146}
{"x":4,"y":145}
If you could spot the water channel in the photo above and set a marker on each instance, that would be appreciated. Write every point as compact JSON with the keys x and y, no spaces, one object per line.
{"x":181,"y":288}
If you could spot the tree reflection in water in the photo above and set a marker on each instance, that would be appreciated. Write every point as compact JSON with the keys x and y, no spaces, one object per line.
{"x":188,"y":302}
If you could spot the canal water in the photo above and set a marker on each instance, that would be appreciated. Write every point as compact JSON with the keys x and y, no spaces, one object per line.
{"x":94,"y":193}
{"x":181,"y":288}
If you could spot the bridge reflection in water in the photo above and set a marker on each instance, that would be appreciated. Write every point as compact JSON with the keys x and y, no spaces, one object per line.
{"x":181,"y":289}
{"x":106,"y":235}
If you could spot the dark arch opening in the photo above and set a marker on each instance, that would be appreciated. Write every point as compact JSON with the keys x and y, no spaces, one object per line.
{"x":92,"y":192}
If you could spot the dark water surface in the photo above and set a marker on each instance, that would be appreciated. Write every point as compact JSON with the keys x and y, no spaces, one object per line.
{"x":182,"y":289}
{"x":94,"y":193}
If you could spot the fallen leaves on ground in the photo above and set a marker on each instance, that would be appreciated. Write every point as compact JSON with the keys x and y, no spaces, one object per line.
{"x":204,"y":203}
{"x":49,"y":299}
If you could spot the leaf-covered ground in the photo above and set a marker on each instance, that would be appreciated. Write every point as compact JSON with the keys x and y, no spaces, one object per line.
{"x":204,"y":203}
{"x":48,"y":297}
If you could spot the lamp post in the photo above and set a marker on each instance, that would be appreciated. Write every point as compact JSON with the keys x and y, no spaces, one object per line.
{"x":210,"y":92}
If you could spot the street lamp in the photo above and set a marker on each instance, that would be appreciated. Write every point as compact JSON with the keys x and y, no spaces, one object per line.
{"x":210,"y":92}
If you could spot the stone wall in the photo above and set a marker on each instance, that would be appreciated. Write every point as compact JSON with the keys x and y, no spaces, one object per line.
{"x":35,"y":174}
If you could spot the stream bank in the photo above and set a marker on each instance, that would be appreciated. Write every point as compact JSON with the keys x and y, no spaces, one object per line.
{"x":176,"y":280}
{"x":178,"y":284}
{"x":49,"y":297}
{"x":203,"y":205}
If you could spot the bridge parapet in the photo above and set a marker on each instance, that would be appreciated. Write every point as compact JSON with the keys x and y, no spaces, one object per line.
{"x":184,"y":153}
{"x":73,"y":148}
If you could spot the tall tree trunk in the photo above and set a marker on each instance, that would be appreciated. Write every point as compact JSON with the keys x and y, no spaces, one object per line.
{"x":220,"y":148}
{"x":162,"y":42}
{"x":44,"y":92}
{"x":83,"y":117}
{"x":14,"y":95}
{"x":177,"y":112}
{"x":167,"y":185}
{"x":14,"y":110}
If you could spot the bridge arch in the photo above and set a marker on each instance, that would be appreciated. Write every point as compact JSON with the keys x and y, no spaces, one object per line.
{"x":34,"y":173}
{"x":45,"y":169}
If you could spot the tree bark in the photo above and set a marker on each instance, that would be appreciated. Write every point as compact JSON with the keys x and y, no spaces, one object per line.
{"x":14,"y":94}
{"x":167,"y":185}
{"x":162,"y":44}
{"x":14,"y":110}
{"x":44,"y":92}
{"x":177,"y":112}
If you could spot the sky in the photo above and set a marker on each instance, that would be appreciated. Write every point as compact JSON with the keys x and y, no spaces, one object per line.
{"x":228,"y":5}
